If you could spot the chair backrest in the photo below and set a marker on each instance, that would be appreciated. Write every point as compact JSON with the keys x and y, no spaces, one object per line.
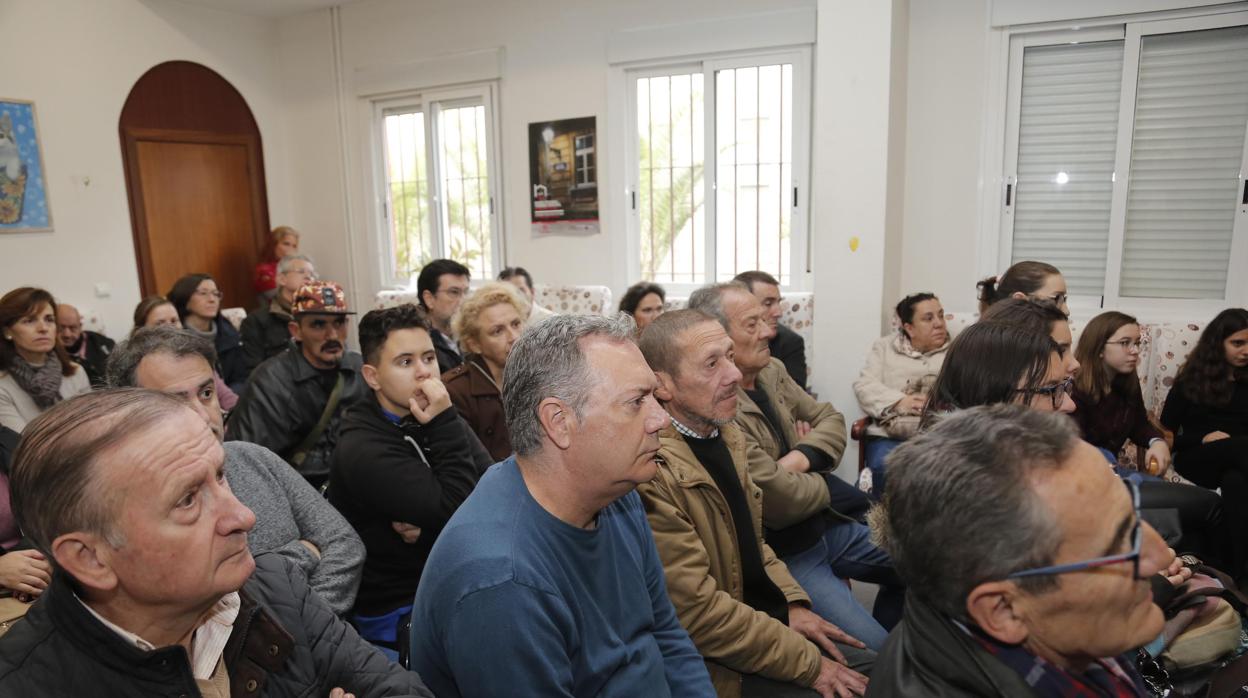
{"x":565,"y":300}
{"x":574,"y":300}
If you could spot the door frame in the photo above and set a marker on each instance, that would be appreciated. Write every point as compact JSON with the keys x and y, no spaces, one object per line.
{"x":131,"y":137}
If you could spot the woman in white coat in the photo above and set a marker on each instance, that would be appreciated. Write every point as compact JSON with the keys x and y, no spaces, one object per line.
{"x":901,"y":367}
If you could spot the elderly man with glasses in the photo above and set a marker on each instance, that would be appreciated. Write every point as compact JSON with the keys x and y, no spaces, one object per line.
{"x":1026,"y":561}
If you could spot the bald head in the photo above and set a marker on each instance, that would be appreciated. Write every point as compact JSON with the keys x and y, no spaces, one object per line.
{"x":68,"y":325}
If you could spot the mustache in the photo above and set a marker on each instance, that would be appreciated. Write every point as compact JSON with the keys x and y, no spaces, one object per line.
{"x":331,"y":346}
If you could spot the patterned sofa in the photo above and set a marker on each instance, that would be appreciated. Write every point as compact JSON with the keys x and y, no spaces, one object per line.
{"x":567,"y":300}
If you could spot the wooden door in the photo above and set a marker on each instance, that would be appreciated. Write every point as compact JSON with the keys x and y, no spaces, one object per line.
{"x":195,"y":178}
{"x":197,"y":203}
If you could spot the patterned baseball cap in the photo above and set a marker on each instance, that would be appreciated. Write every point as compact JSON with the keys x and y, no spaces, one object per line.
{"x":325,"y":297}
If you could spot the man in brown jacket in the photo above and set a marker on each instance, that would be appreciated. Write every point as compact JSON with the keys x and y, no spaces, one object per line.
{"x":796,"y":442}
{"x":747,"y":616}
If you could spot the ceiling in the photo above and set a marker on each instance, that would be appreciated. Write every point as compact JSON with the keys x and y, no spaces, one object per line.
{"x":267,"y":8}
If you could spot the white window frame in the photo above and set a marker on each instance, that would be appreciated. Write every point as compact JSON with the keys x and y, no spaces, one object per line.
{"x":431,"y":103}
{"x":996,"y":242}
{"x":800,"y":58}
{"x":580,"y":156}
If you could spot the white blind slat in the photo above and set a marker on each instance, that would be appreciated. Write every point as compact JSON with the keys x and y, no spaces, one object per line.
{"x":1190,"y":115}
{"x":1068,"y":129}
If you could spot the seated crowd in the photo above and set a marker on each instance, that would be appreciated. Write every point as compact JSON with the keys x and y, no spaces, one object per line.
{"x":492,"y":498}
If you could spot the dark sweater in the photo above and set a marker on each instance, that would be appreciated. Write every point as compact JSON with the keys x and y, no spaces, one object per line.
{"x":1191,"y":421}
{"x":383,"y":472}
{"x":760,"y":593}
{"x":1109,"y":423}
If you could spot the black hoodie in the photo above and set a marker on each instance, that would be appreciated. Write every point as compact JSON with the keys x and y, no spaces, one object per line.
{"x":382,"y":472}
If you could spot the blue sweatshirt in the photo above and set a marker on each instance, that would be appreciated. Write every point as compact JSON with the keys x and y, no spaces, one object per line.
{"x":515,"y":602}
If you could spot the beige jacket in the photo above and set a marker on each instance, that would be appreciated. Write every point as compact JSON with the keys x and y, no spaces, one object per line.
{"x":16,"y":407}
{"x":694,"y":533}
{"x":894,"y":370}
{"x":791,"y":497}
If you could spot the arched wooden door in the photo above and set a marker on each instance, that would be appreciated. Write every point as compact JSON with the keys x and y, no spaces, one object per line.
{"x":195,"y":178}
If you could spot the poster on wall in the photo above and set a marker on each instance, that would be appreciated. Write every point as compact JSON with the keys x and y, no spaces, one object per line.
{"x":563,"y":177}
{"x":23,"y":188}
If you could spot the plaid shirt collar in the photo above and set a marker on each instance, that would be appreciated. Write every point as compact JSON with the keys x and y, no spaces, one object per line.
{"x":1112,"y":677}
{"x":686,"y":431}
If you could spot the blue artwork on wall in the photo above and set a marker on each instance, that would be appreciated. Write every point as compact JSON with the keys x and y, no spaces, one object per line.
{"x":23,"y":185}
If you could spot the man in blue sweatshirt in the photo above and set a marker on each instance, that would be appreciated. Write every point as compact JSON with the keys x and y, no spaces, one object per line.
{"x":546,"y":581}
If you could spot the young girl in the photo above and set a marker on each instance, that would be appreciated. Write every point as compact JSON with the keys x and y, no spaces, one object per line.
{"x":1109,"y":405}
{"x":1028,"y":280}
{"x":1207,"y":409}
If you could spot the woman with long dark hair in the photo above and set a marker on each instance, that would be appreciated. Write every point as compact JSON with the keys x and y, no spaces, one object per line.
{"x":1207,"y":409}
{"x":198,"y":302}
{"x":1109,"y":404}
{"x":35,"y":370}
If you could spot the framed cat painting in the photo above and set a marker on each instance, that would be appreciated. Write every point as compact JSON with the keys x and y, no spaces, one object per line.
{"x":24,"y":205}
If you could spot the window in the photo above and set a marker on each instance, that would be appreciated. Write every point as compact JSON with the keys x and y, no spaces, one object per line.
{"x":438,"y":189}
{"x":718,"y":149}
{"x":585,"y":177}
{"x":1125,"y":159}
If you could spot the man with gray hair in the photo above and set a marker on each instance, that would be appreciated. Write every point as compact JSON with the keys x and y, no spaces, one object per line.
{"x":546,"y":581}
{"x":155,"y":591}
{"x":795,"y":442}
{"x":266,"y":331}
{"x":292,"y":518}
{"x":1026,"y":561}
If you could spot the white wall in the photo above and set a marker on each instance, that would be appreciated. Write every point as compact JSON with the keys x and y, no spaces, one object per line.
{"x":77,"y":60}
{"x":853,"y":151}
{"x":945,"y":103}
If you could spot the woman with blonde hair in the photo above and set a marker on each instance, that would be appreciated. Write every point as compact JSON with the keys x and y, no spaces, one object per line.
{"x":488,"y":323}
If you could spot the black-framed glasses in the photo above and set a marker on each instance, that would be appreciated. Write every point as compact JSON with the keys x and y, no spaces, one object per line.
{"x":1057,"y":392}
{"x":1127,"y":344}
{"x":1132,"y":556}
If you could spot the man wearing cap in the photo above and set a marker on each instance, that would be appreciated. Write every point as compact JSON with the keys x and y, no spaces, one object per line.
{"x":293,"y":401}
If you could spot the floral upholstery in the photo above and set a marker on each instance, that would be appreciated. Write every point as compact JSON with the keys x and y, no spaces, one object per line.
{"x":566,"y":300}
{"x":575,"y":300}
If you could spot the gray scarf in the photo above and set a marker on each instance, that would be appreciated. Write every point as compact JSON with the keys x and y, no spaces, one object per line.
{"x":41,"y":383}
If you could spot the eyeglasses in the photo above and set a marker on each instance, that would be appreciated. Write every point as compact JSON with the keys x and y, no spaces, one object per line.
{"x":453,"y":292}
{"x":1132,"y":556}
{"x":210,"y":294}
{"x":1127,"y":344}
{"x":1056,"y":392}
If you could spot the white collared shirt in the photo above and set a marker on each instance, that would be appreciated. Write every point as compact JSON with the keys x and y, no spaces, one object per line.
{"x":207,"y":643}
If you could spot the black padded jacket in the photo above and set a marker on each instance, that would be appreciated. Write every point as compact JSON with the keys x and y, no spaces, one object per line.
{"x":285,"y":642}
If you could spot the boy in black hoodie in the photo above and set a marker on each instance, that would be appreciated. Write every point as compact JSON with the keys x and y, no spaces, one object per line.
{"x":404,"y":456}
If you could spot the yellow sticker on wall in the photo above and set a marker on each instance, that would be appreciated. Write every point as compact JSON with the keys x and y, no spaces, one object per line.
{"x":853,"y":244}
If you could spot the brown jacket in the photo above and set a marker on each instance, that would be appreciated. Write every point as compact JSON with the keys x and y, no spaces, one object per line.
{"x":791,"y":497}
{"x":695,"y":537}
{"x":479,"y":402}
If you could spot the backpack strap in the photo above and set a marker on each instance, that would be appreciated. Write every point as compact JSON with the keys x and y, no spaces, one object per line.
{"x":301,"y":452}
